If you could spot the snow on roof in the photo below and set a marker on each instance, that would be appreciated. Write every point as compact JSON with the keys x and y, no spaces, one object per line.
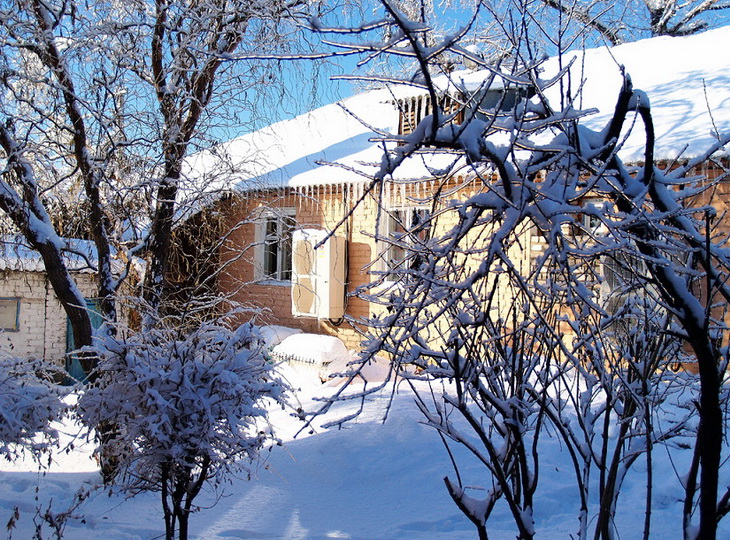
{"x":16,"y":255}
{"x":288,"y":152}
{"x":687,"y":80}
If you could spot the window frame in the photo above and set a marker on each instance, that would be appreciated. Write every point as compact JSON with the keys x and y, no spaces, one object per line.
{"x":268,"y":243}
{"x":389,"y":223}
{"x":16,"y":300}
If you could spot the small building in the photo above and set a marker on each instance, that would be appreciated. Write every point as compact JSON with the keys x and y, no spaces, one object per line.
{"x":33,"y":322}
{"x":292,"y":186}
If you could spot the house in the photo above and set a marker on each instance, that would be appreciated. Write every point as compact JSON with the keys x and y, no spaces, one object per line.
{"x":33,"y":322}
{"x":293,"y":185}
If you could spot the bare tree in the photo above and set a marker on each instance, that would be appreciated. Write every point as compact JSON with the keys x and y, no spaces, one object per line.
{"x":513,"y":343}
{"x":112,"y":98}
{"x":101,"y":104}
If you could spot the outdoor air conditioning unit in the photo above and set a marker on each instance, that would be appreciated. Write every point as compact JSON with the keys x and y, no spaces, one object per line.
{"x":318,"y":275}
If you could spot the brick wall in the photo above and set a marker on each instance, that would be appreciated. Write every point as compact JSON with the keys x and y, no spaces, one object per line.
{"x":41,"y":319}
{"x":238,"y":277}
{"x":326,"y":206}
{"x":323,"y":207}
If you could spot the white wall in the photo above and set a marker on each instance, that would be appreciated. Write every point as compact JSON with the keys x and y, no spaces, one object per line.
{"x":41,"y":320}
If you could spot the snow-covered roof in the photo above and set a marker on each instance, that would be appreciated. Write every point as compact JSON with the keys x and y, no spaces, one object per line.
{"x":16,"y":255}
{"x":287,"y":152}
{"x":687,"y":80}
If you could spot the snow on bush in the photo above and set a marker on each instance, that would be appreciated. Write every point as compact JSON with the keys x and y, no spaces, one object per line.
{"x":29,"y":402}
{"x":274,"y":334}
{"x":186,"y":409}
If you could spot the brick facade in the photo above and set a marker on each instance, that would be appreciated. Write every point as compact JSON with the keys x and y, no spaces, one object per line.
{"x":238,"y":279}
{"x":328,"y":207}
{"x":42,"y":322}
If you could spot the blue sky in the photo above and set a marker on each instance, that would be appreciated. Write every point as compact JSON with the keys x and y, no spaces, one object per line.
{"x":307,"y":84}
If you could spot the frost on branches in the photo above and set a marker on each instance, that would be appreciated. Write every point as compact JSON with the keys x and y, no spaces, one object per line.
{"x":576,"y":339}
{"x":29,"y":402}
{"x":187,"y":409}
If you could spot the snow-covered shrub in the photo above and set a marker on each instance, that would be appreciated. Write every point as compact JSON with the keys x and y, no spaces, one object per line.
{"x":29,"y":402}
{"x":541,"y":286}
{"x":187,"y":409}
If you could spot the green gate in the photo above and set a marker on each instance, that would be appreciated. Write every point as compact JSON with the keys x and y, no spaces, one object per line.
{"x":73,"y":365}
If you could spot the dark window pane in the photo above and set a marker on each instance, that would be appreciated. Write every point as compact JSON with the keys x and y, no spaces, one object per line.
{"x":277,"y":247}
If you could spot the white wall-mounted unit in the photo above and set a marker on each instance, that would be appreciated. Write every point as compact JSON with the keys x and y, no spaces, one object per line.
{"x":318,"y":275}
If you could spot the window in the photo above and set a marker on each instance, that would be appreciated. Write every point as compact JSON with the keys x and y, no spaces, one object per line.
{"x":403,"y":228}
{"x":9,"y":310}
{"x":621,"y":273}
{"x":275,"y":227}
{"x":589,"y":223}
{"x":483,"y":105}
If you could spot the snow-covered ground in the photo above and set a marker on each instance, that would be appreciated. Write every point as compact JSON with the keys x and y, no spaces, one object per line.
{"x":367,"y":481}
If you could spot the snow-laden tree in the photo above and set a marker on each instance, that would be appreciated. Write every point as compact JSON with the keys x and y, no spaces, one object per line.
{"x":29,"y":403}
{"x":574,"y":339}
{"x":189,"y":409}
{"x":100,"y":105}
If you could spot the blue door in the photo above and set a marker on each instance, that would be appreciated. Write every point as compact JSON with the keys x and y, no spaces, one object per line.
{"x":73,"y":366}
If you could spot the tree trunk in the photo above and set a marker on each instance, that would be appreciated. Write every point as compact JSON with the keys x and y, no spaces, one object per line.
{"x":709,"y":439}
{"x":72,"y":300}
{"x":159,"y":245}
{"x":478,"y":521}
